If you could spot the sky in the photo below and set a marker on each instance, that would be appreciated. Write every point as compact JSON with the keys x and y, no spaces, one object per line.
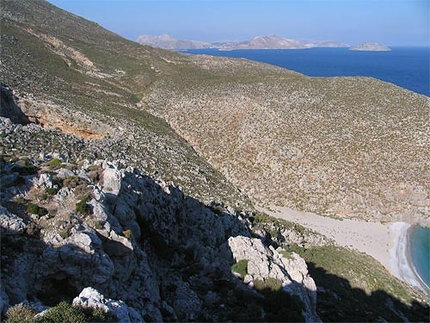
{"x":389,"y":22}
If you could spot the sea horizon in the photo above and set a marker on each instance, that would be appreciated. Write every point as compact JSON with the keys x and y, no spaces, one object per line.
{"x":404,"y":66}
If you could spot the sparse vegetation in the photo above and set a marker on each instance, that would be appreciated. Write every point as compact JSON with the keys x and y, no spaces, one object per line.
{"x":241,"y":267}
{"x":55,"y":163}
{"x":127,"y":233}
{"x":354,"y":284}
{"x":269,"y":283}
{"x":37,"y":210}
{"x":82,"y":206}
{"x":20,"y":314}
{"x":61,"y":313}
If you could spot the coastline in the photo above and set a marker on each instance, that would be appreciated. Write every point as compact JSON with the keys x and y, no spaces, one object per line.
{"x":405,"y":265}
{"x":388,"y":243}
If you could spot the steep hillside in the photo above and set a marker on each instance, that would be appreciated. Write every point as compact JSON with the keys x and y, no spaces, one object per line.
{"x":350,"y":147}
{"x":70,"y":74}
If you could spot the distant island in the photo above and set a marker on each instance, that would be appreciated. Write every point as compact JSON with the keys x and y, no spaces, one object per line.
{"x":369,"y":46}
{"x":258,"y":42}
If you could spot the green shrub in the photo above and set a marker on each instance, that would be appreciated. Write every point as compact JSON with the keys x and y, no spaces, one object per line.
{"x":66,"y":313}
{"x":34,"y":209}
{"x":20,"y":314}
{"x":51,"y":191}
{"x":268,"y":283}
{"x":241,"y":267}
{"x":82,"y":206}
{"x":54,"y":163}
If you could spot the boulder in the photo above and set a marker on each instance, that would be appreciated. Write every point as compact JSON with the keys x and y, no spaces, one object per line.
{"x":10,"y":223}
{"x":91,"y":298}
{"x":266,"y":262}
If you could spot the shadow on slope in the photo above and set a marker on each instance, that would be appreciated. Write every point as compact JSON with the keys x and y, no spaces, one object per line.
{"x":338,"y":301}
{"x":9,"y":108}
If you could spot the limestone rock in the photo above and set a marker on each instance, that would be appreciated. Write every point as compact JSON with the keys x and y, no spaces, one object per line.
{"x":265,"y":262}
{"x":10,"y":224}
{"x":44,"y":181}
{"x":91,"y":298}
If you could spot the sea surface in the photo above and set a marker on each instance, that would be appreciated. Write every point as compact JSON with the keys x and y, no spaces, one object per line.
{"x":407,"y":67}
{"x":420,"y":252}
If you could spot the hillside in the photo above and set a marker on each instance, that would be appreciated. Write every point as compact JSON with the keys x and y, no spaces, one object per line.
{"x":350,"y":147}
{"x":85,"y":80}
{"x":128,"y":175}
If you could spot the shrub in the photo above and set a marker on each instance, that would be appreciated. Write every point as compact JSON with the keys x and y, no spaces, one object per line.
{"x":268,"y":283}
{"x":72,"y":181}
{"x":127,"y":234}
{"x":34,"y":209}
{"x":51,"y":191}
{"x":20,"y":314}
{"x":98,"y":225}
{"x":54,"y":163}
{"x":65,"y":312}
{"x":241,"y":267}
{"x":82,"y":206}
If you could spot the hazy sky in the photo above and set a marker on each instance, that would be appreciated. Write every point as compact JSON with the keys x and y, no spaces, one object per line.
{"x":390,"y":22}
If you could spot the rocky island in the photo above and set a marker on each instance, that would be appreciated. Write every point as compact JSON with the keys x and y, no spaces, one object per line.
{"x":370,"y":46}
{"x":258,"y":42}
{"x":133,"y":181}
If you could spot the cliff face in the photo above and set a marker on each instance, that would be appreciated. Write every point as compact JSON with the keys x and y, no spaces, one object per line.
{"x":115,"y":233}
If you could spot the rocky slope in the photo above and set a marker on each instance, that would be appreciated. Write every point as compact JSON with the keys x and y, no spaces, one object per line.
{"x":103,"y":235}
{"x":113,"y":232}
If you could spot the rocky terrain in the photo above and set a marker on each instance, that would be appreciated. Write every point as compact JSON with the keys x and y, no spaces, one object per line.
{"x":348,"y":147}
{"x":95,"y":230}
{"x":128,"y":175}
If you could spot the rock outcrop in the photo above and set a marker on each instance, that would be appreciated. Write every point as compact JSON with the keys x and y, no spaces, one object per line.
{"x":266,"y":262}
{"x":110,"y":237}
{"x":91,"y":298}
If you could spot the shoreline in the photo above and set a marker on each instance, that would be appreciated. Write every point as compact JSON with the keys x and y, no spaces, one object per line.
{"x":388,"y":243}
{"x":408,"y":272}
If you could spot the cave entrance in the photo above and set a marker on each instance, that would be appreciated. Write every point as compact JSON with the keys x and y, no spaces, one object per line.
{"x":56,"y":288}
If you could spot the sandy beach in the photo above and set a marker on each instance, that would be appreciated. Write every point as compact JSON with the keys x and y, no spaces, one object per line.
{"x":387,"y":243}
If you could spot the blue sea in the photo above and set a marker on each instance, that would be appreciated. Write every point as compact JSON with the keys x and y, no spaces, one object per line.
{"x":407,"y":67}
{"x":420,"y":252}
